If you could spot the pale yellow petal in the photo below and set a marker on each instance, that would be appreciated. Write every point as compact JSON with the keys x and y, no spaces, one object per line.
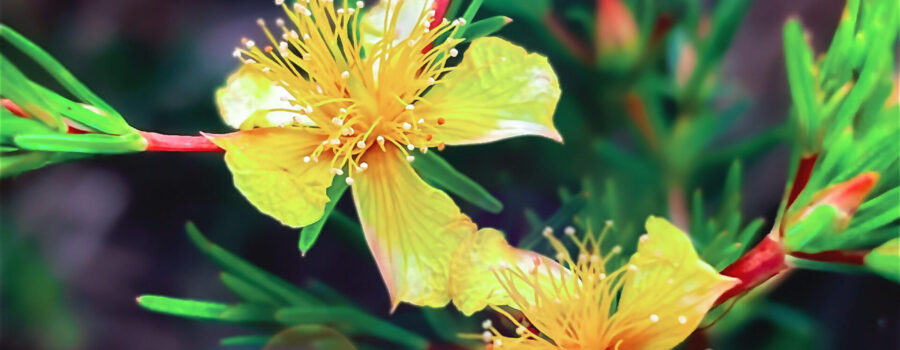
{"x":249,"y":99}
{"x":498,"y":91}
{"x":374,"y":27}
{"x":269,"y":170}
{"x":473,"y":284}
{"x":411,"y":228}
{"x":667,"y":290}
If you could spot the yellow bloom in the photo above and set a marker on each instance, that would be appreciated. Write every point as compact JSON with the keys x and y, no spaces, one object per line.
{"x":326,"y":98}
{"x":653,"y":302}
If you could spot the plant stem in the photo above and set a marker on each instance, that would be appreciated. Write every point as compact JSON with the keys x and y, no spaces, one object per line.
{"x":849,"y":257}
{"x":804,"y":170}
{"x":178,"y":143}
{"x":758,"y":265}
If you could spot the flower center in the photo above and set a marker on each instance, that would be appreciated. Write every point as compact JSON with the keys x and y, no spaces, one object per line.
{"x":360,"y":93}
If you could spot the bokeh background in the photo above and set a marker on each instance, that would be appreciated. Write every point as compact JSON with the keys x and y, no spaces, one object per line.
{"x":81,"y":240}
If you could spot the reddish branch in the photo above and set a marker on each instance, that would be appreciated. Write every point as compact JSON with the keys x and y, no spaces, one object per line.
{"x":803,"y":173}
{"x":178,"y":143}
{"x":756,"y":266}
{"x":850,"y":257}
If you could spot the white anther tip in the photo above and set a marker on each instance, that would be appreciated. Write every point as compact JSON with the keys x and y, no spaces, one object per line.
{"x":486,"y":324}
{"x":487,"y":336}
{"x":548,"y":231}
{"x":569,"y":230}
{"x":654,"y":318}
{"x":349,"y":180}
{"x":410,"y":158}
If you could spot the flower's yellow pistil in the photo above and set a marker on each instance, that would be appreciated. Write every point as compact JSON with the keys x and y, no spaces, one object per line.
{"x":630,"y":307}
{"x":356,"y":99}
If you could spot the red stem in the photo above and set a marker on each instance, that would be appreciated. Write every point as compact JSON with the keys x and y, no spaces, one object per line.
{"x":851,"y":257}
{"x":756,"y":266}
{"x":178,"y":143}
{"x":804,"y":170}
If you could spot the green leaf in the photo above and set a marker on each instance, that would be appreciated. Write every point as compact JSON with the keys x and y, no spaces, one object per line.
{"x":16,"y":87}
{"x":264,"y":280}
{"x":182,"y":307}
{"x":309,"y":234}
{"x":808,"y":234}
{"x":531,"y":10}
{"x":245,"y":340}
{"x":438,"y":172}
{"x":248,"y":313}
{"x":82,"y":143}
{"x":77,"y":112}
{"x":885,"y":260}
{"x":245,"y":290}
{"x":564,"y":215}
{"x":56,"y":70}
{"x":470,"y":12}
{"x":802,"y":82}
{"x":485,"y":27}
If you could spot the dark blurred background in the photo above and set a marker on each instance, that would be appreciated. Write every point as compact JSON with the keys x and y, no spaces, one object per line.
{"x":87,"y":237}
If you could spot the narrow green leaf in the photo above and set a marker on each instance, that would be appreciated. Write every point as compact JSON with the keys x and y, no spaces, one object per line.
{"x":182,"y":307}
{"x":485,"y":27}
{"x":806,"y":236}
{"x":885,"y":260}
{"x":245,"y":290}
{"x":55,"y":69}
{"x":83,"y":143}
{"x":823,"y":266}
{"x":453,"y":9}
{"x":327,"y":294}
{"x":437,"y":171}
{"x":698,"y":232}
{"x":564,"y":215}
{"x":470,"y":12}
{"x":802,"y":82}
{"x":309,"y":234}
{"x":16,"y":87}
{"x":447,"y":324}
{"x":82,"y":115}
{"x":245,"y":340}
{"x":248,"y":313}
{"x":749,"y":232}
{"x":285,"y":291}
{"x":13,"y":126}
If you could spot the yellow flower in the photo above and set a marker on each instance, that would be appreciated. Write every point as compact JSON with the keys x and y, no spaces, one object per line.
{"x":653,"y":302}
{"x":327,"y":97}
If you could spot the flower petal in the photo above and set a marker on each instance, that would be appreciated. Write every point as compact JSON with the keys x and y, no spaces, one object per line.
{"x":372,"y":24}
{"x":411,"y":227}
{"x":497,"y":91}
{"x":473,"y":284}
{"x":667,"y":290}
{"x":248,"y":98}
{"x":268,"y":169}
